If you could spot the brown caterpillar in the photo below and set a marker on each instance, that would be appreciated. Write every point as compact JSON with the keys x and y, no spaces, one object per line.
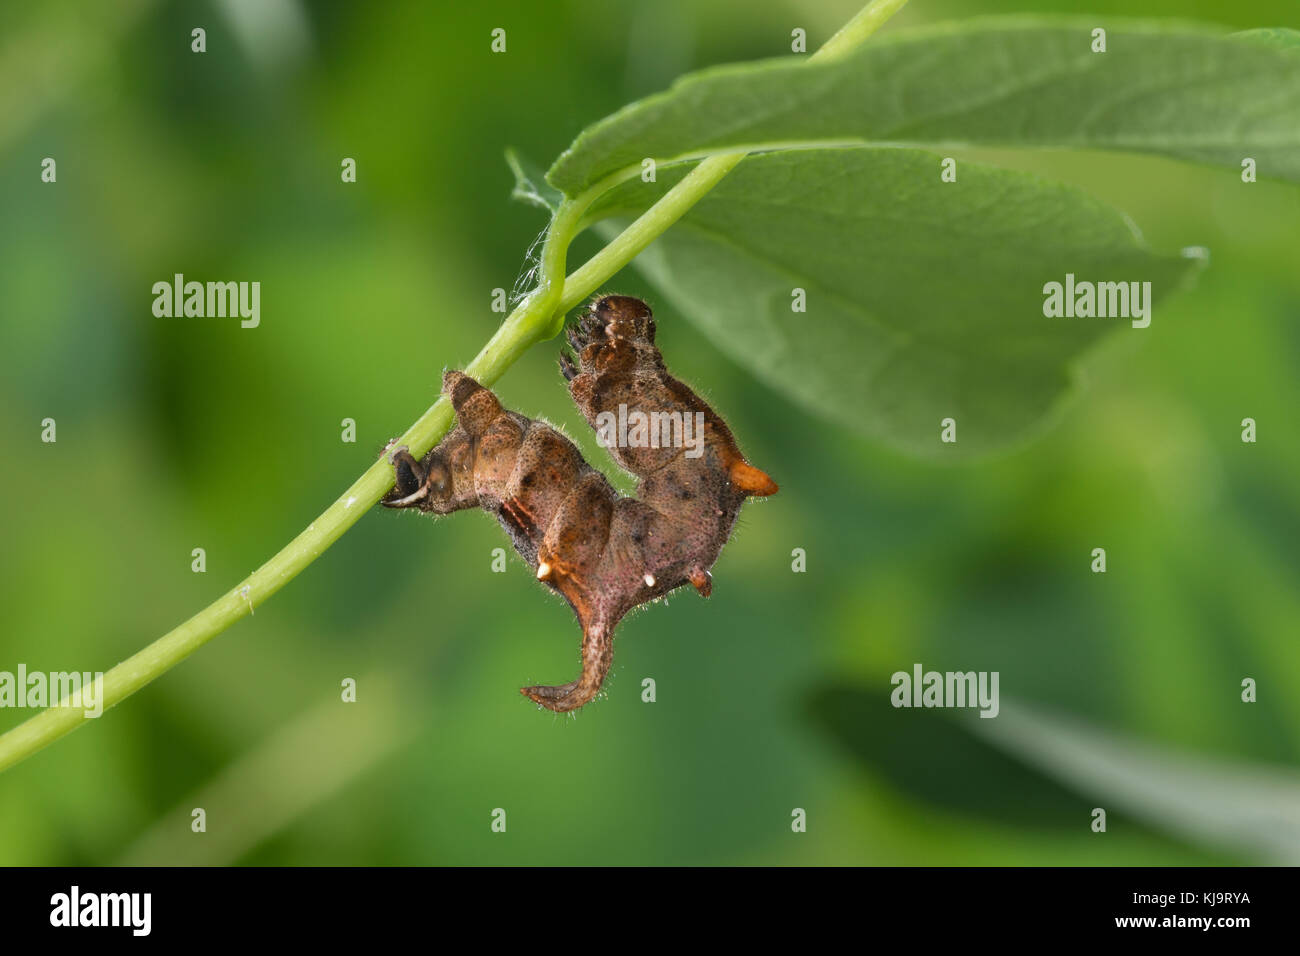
{"x":605,"y":553}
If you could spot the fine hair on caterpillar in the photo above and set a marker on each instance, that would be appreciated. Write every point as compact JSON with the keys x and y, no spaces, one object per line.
{"x":605,"y":553}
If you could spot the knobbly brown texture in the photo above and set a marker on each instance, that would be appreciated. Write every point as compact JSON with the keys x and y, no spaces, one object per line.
{"x":605,"y":553}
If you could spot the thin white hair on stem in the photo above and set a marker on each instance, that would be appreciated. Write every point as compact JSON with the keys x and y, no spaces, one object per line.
{"x":527,"y":278}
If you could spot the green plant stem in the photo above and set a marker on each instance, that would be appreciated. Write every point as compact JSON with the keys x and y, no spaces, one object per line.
{"x":677,"y":201}
{"x":646,"y":228}
{"x":540,"y":316}
{"x":864,"y":23}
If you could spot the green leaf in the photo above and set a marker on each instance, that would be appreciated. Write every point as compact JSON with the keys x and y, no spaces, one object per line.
{"x":1174,"y":90}
{"x":1275,"y":36}
{"x":530,"y":184}
{"x":1236,"y":805}
{"x":924,"y":298}
{"x":1030,"y":766}
{"x":932,"y":756}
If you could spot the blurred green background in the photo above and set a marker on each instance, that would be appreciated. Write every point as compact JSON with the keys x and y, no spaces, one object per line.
{"x":175,"y":434}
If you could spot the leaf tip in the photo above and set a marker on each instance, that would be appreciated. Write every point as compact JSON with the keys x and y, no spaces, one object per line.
{"x":526,"y":188}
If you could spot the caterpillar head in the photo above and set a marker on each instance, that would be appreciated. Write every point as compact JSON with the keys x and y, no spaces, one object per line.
{"x":620,"y":317}
{"x":423,"y":484}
